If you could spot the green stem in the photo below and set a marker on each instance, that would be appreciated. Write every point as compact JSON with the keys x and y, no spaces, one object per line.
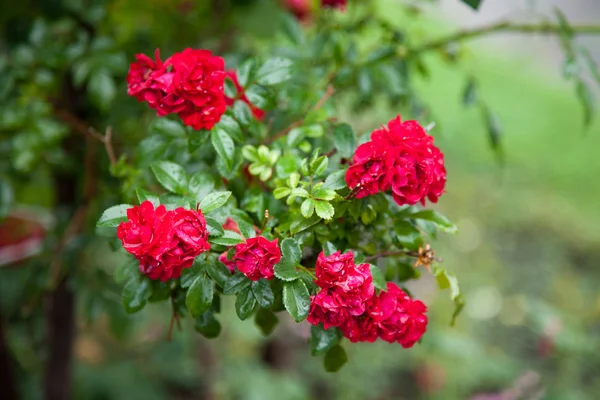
{"x":308,"y":271}
{"x":508,"y":27}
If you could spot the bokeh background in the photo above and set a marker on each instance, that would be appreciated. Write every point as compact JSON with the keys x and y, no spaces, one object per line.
{"x":527,"y":253}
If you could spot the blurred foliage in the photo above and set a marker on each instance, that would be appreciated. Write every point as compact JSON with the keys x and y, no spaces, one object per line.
{"x":526,"y":252}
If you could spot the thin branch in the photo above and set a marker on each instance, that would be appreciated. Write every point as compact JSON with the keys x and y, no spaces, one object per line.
{"x":107,"y":140}
{"x":544,"y":28}
{"x":392,"y":254}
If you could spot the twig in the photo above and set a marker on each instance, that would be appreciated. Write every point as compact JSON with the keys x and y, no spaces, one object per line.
{"x":392,"y":254}
{"x":508,"y":27}
{"x":107,"y":140}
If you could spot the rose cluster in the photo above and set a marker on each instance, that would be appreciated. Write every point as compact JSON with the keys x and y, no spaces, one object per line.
{"x":164,"y":242}
{"x":256,"y":257}
{"x":400,"y":157}
{"x":303,"y":9}
{"x":347,"y":300}
{"x":189,"y":83}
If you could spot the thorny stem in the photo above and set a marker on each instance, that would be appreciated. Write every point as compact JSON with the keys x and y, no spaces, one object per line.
{"x":174,"y":317}
{"x":352,"y":194}
{"x":505,"y":26}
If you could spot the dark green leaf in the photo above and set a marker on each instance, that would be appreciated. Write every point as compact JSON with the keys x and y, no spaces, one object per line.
{"x":127,"y":271}
{"x":260,"y":97}
{"x":230,"y":125}
{"x":213,"y":201}
{"x":113,"y":216}
{"x":219,"y":272}
{"x":335,"y":358}
{"x":242,"y":113}
{"x":378,"y":279}
{"x":290,"y":256}
{"x":171,"y":176}
{"x":143,"y":195}
{"x":207,"y":325}
{"x":200,"y":296}
{"x":303,"y":224}
{"x":214,"y":227}
{"x":440,"y":220}
{"x":274,"y":71}
{"x":470,"y":93}
{"x":322,"y":339}
{"x":167,"y":127}
{"x":474,"y":4}
{"x":494,"y":129}
{"x":161,"y":291}
{"x":365,"y":82}
{"x":135,"y":294}
{"x":296,"y":299}
{"x":329,"y":248}
{"x":266,"y":321}
{"x":292,"y":29}
{"x":6,"y":197}
{"x":102,"y":89}
{"x":201,"y":184}
{"x":344,"y":139}
{"x":224,"y":147}
{"x":587,"y":101}
{"x":189,"y":275}
{"x":263,"y":293}
{"x":245,"y":303}
{"x":230,"y":89}
{"x":236,"y":283}
{"x":335,"y":181}
{"x":246,"y":72}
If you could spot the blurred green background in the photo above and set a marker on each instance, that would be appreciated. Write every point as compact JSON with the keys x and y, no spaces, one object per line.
{"x":527,"y":257}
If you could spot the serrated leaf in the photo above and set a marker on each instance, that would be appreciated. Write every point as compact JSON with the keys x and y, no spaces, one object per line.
{"x":296,"y":299}
{"x":207,"y":325}
{"x":215,"y":229}
{"x":229,"y":238}
{"x":266,"y":321}
{"x":439,"y":219}
{"x":274,"y":71}
{"x":236,"y":283}
{"x":246,"y":72}
{"x":171,"y":176}
{"x":446,"y":280}
{"x":324,"y":194}
{"x":344,"y":140}
{"x":320,"y":165}
{"x":230,"y":125}
{"x":200,"y":296}
{"x":335,"y":358}
{"x":135,"y":294}
{"x":378,"y":279}
{"x":219,"y":272}
{"x":324,"y":209}
{"x":263,"y":293}
{"x":213,"y":201}
{"x":143,"y":195}
{"x":113,"y":216}
{"x":245,"y":303}
{"x":230,"y":89}
{"x":307,"y":208}
{"x":335,"y":181}
{"x":290,"y":256}
{"x":321,"y":340}
{"x":250,"y":153}
{"x":223,"y":145}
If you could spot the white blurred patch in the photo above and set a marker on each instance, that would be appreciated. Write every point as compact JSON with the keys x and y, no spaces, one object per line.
{"x":484,"y":303}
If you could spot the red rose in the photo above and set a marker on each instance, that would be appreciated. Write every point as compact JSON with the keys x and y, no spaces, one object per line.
{"x":231,"y":225}
{"x":230,"y":264}
{"x":341,"y":4}
{"x":339,"y":270}
{"x":199,"y":78}
{"x":302,"y":9}
{"x":328,"y":306}
{"x":163,"y":241}
{"x":148,"y":79}
{"x":257,"y":112}
{"x":400,"y":157}
{"x":256,"y":257}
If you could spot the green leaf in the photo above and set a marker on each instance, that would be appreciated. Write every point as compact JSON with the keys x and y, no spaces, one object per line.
{"x":242,"y":113}
{"x":246,"y":72}
{"x":470,"y":93}
{"x":167,"y":127}
{"x":303,"y":224}
{"x":440,"y":220}
{"x":135,"y":294}
{"x":260,"y":97}
{"x":335,"y":358}
{"x":587,"y":101}
{"x":113,"y":216}
{"x":324,"y":209}
{"x":127,"y":271}
{"x":171,"y":176}
{"x":329,"y":248}
{"x":236,"y":283}
{"x":274,"y":71}
{"x":474,"y":4}
{"x":290,"y":256}
{"x":344,"y":139}
{"x":335,"y":181}
{"x":224,"y":147}
{"x":245,"y":303}
{"x":493,"y":127}
{"x":250,"y":153}
{"x":189,"y":275}
{"x":143,"y":195}
{"x":321,"y":340}
{"x":292,"y":29}
{"x":296,"y":299}
{"x":324,"y":194}
{"x":266,"y":320}
{"x":200,"y":296}
{"x":378,"y":279}
{"x":446,"y":280}
{"x":229,"y":238}
{"x":214,"y":200}
{"x":287,"y":166}
{"x":230,"y":125}
{"x":207,"y":325}
{"x":307,"y":208}
{"x":215,"y":229}
{"x":219,"y":272}
{"x":263,"y":293}
{"x":102,"y":89}
{"x":230,"y":89}
{"x":6,"y":197}
{"x":281,"y":192}
{"x":319,"y":165}
{"x":201,"y":184}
